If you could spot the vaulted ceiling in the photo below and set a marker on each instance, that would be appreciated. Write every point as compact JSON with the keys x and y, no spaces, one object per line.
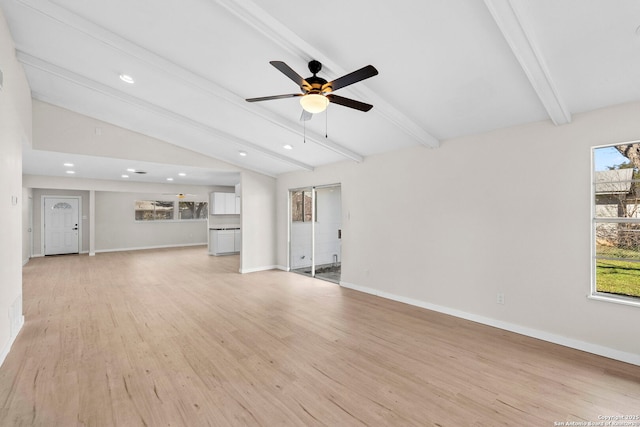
{"x":446,"y":69}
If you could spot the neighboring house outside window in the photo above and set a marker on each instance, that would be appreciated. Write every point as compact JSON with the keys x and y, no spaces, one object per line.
{"x":616,"y":227}
{"x":163,"y":210}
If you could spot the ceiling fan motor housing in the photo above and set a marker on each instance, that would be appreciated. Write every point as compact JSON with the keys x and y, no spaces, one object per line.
{"x":315,"y":66}
{"x":316,"y":85}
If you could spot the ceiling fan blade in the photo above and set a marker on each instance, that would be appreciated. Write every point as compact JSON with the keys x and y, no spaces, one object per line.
{"x":351,"y":78}
{"x":347,"y":102}
{"x":305,"y":116}
{"x":288,"y":71}
{"x":269,"y":98}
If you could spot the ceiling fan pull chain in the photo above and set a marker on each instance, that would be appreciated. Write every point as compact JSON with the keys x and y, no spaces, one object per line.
{"x":304,"y":132}
{"x":326,"y":120}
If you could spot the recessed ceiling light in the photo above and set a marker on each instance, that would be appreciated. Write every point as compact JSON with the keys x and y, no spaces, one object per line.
{"x":182,"y":174}
{"x":131,"y":170}
{"x":288,"y":147}
{"x":127,"y":79}
{"x":125,"y":176}
{"x":71,"y":172}
{"x":242,"y":153}
{"x":69,"y":165}
{"x":169,"y":179}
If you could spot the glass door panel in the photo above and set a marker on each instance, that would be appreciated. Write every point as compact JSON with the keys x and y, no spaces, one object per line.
{"x":328,"y":233}
{"x":301,"y":233}
{"x":315,"y":245}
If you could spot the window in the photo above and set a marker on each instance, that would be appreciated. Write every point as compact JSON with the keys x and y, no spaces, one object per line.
{"x":301,"y":206}
{"x":616,"y":223}
{"x":193,"y":210}
{"x":153,"y":210}
{"x":157,"y":210}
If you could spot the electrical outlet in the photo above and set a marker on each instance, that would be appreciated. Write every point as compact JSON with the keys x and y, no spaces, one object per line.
{"x":500,"y":298}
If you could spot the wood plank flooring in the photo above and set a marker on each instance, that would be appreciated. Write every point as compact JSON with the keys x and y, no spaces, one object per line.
{"x":177,"y":338}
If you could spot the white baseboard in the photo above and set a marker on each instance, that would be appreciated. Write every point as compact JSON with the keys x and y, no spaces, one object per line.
{"x":25,"y":261}
{"x":522,"y":330}
{"x":256,"y":269}
{"x":144,"y":248}
{"x":5,"y":351}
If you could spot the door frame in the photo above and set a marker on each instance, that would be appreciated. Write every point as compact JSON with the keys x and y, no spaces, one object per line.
{"x":30,"y":230}
{"x":42,"y":216}
{"x":313,"y":189}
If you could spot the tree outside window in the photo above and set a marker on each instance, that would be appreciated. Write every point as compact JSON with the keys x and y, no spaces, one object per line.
{"x":616,"y":220}
{"x":153,"y":210}
{"x":192,"y":210}
{"x":301,"y":205}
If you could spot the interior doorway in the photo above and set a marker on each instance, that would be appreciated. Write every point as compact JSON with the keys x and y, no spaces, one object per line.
{"x":315,"y":232}
{"x":60,"y":223}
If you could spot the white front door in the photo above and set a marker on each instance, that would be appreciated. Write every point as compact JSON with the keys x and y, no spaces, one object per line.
{"x":61,"y":219}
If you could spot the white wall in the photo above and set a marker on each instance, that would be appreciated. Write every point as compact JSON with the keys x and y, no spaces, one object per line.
{"x":58,"y":129}
{"x":257,"y":219}
{"x":116,"y":228}
{"x":506,"y":211}
{"x":15,"y":130}
{"x":114,"y":225}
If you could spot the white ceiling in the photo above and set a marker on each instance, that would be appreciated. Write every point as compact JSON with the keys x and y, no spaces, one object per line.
{"x":447,"y":69}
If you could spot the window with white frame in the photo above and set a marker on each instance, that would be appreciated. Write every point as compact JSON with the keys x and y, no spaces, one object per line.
{"x":163,"y":210}
{"x":616,"y":222}
{"x":193,"y":210}
{"x":301,"y":205}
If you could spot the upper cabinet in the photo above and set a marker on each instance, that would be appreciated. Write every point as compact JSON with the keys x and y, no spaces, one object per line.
{"x":225,"y":204}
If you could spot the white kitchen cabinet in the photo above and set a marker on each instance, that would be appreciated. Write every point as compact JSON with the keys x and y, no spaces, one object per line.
{"x":218,"y":203}
{"x":224,"y":242}
{"x":237,"y":240}
{"x":225,"y":204}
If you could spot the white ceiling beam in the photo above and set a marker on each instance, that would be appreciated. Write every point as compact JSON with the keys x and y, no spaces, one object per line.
{"x":70,"y":76}
{"x":163,"y":65}
{"x":256,"y":17}
{"x":530,"y":58}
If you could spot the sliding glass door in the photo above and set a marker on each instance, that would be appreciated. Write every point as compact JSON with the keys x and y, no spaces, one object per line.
{"x":301,"y":231}
{"x":315,"y":232}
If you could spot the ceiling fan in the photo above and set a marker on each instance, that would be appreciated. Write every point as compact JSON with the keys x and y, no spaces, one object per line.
{"x":317,"y":92}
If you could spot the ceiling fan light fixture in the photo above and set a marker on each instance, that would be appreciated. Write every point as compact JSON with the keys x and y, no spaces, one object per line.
{"x":314,"y":103}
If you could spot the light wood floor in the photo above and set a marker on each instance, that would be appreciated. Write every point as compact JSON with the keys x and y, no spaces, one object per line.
{"x":178,"y":338}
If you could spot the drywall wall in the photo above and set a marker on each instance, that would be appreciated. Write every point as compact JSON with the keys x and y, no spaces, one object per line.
{"x":116,"y":228}
{"x":506,"y":211}
{"x":257,"y":222}
{"x":15,"y":130}
{"x":59,"y":129}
